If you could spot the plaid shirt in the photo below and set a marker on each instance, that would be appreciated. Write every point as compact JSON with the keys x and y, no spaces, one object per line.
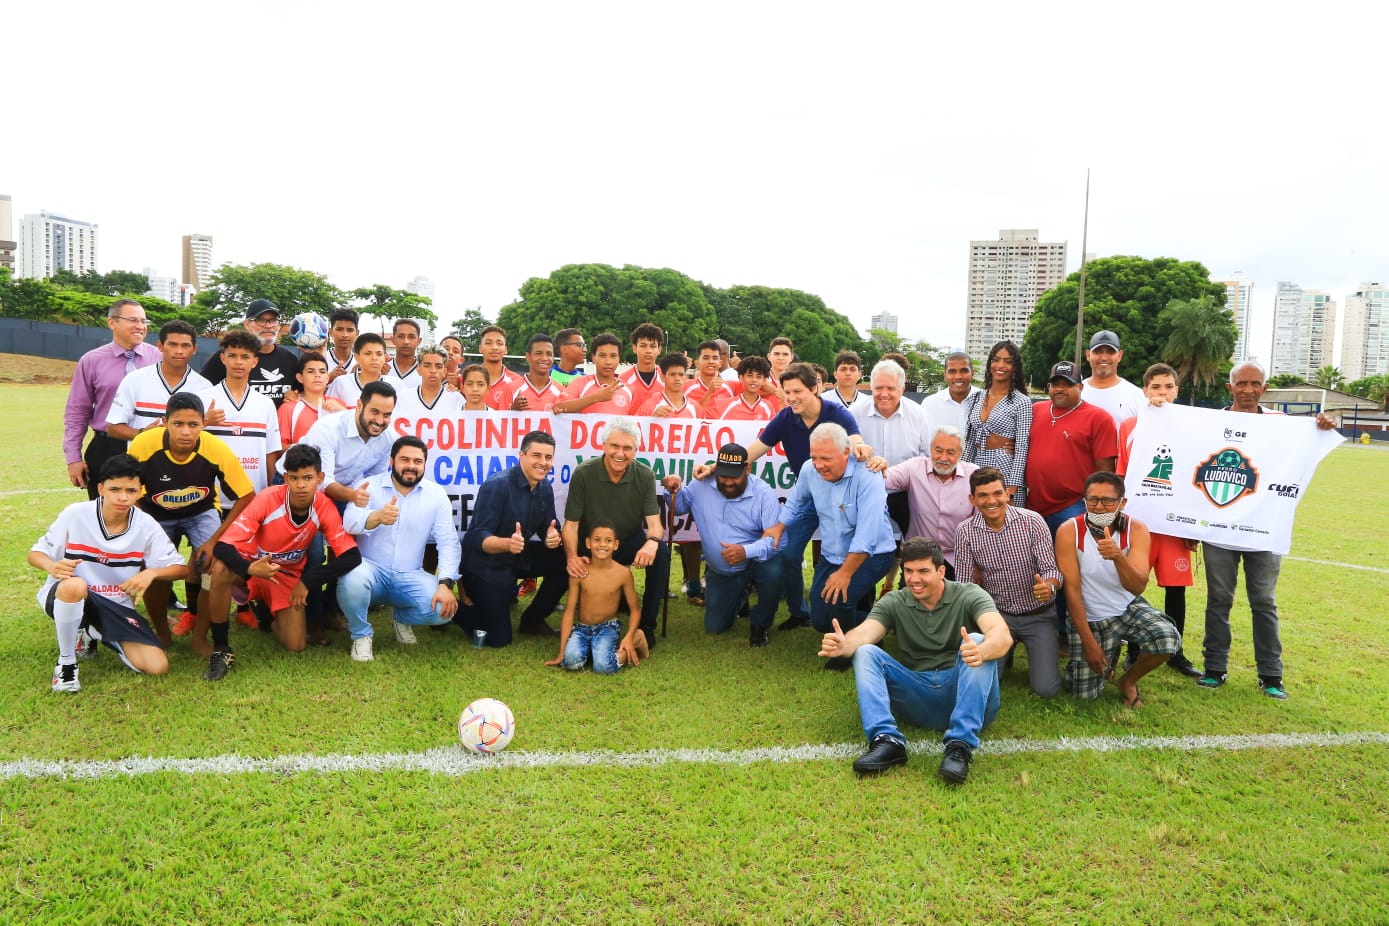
{"x":1005,"y":562}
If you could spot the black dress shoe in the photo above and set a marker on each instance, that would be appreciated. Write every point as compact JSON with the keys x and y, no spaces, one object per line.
{"x":883,"y":753}
{"x":954,"y":765}
{"x":541,"y":629}
{"x":1179,"y":663}
{"x":839,"y":664}
{"x":758,"y":637}
{"x":792,"y":622}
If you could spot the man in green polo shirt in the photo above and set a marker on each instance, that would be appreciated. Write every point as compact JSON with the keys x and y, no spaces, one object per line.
{"x":617,"y":487}
{"x":950,"y":636}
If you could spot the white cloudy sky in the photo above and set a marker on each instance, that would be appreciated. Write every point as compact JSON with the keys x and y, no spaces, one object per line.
{"x":850,"y":150}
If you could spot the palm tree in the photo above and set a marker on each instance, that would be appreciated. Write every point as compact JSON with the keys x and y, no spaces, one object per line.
{"x":1202,"y":338}
{"x":1328,"y":378}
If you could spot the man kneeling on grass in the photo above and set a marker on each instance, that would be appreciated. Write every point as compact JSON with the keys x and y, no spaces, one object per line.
{"x":949,"y":636}
{"x":100,"y":556}
{"x":595,"y":599}
{"x":265,"y":549}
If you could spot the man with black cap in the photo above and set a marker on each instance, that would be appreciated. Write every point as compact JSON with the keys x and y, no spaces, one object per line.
{"x":1105,"y":388}
{"x":273,"y":375}
{"x":732,"y":512}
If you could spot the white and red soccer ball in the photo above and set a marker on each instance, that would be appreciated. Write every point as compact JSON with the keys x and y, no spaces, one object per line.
{"x":486,"y":726}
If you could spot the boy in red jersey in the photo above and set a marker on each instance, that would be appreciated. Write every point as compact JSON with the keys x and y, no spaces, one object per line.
{"x":671,"y":401}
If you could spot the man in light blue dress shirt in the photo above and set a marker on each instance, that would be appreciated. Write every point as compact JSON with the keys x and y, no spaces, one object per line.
{"x":856,"y":544}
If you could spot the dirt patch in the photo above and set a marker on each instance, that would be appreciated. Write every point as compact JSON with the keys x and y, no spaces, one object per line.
{"x":22,"y":368}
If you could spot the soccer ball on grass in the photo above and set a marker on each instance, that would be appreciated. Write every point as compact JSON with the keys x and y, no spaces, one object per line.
{"x":486,"y":726}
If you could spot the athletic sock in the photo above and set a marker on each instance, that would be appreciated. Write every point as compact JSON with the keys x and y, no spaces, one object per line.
{"x":219,"y":635}
{"x":67,"y":621}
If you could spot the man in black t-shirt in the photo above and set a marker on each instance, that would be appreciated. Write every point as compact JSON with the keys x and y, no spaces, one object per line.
{"x":275,"y":368}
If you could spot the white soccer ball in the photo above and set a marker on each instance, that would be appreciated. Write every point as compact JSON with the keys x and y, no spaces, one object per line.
{"x":1164,"y":451}
{"x":486,"y":726}
{"x":308,"y":330}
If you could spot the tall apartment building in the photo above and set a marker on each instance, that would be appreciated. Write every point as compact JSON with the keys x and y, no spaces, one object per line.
{"x":1006,"y":278}
{"x":48,"y":243}
{"x":197,"y":261}
{"x":8,"y":245}
{"x":421,"y":286}
{"x":1239,"y":297}
{"x":884,"y":321}
{"x":1365,"y":342}
{"x":1304,"y":331}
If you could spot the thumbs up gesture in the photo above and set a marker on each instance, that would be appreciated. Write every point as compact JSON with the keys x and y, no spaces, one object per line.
{"x":390,"y":513}
{"x":552,"y":537}
{"x":833,"y":643}
{"x":214,"y":415}
{"x":1107,"y":547}
{"x":969,"y":650}
{"x":518,"y":540}
{"x":362,"y":497}
{"x":1041,"y":588}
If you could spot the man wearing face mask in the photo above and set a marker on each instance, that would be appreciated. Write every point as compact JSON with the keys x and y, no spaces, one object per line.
{"x":1103,"y":558}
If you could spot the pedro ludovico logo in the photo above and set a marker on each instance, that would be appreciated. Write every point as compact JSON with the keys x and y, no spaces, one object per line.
{"x":1160,"y":473}
{"x":1226,"y":476}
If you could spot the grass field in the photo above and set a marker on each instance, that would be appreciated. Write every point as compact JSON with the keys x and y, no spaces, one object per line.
{"x":1153,"y":833}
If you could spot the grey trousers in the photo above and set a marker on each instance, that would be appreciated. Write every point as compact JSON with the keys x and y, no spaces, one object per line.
{"x":1037,"y":632}
{"x":1260,"y":584}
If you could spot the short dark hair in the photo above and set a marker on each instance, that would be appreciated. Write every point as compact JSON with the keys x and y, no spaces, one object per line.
{"x":432,"y":350}
{"x":649,"y":331}
{"x":565,"y":335}
{"x":602,"y":522}
{"x":184,"y":402}
{"x":537,"y":437}
{"x":708,"y":345}
{"x":309,"y":356}
{"x":985,"y":475}
{"x":342,"y":315}
{"x":121,"y":466}
{"x":451,"y":337}
{"x":541,"y":338}
{"x":365,"y":338}
{"x":755,"y":363}
{"x":177,"y":326}
{"x":959,"y":355}
{"x":119,"y":304}
{"x":1105,"y":477}
{"x":471,"y":368}
{"x":802,"y":372}
{"x":898,"y":358}
{"x":408,"y":440}
{"x":395,"y":326}
{"x":918,"y":548}
{"x":239,"y":338}
{"x":375,"y":388}
{"x":849,"y":357}
{"x":821,"y":374}
{"x":491,"y":329}
{"x":674,"y":359}
{"x":778,"y":341}
{"x":606,"y":337}
{"x":1160,"y":369}
{"x":302,"y":456}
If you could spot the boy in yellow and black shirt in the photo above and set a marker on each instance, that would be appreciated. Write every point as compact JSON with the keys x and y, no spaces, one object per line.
{"x":181,"y":468}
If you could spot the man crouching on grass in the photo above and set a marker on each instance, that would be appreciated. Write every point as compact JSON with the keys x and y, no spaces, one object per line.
{"x":595,"y":599}
{"x":949,"y":636}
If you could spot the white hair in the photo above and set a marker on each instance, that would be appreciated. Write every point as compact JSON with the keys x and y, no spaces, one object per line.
{"x":829,"y":431}
{"x":949,"y":430}
{"x":1263,"y":374}
{"x":623,"y":425}
{"x":889,"y":368}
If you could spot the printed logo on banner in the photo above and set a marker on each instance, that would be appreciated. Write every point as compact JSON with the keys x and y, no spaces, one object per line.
{"x":1160,"y":476}
{"x":1226,"y":476}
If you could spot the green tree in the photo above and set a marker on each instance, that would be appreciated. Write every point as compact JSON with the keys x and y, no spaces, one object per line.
{"x":235,"y":286}
{"x":1283,"y":380}
{"x":1126,"y":295}
{"x":1328,"y":377}
{"x":114,"y":283}
{"x":386,"y":302}
{"x":1201,"y":337}
{"x":750,"y":316}
{"x":468,"y":329}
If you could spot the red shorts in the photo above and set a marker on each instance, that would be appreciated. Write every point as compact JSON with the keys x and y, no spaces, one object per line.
{"x":274,"y":592}
{"x":1171,"y":561}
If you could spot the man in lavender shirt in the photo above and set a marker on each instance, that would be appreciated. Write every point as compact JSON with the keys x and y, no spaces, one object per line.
{"x":94,"y":384}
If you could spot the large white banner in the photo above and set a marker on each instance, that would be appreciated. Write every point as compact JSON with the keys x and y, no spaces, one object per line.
{"x":465,"y":449}
{"x":1228,"y":477}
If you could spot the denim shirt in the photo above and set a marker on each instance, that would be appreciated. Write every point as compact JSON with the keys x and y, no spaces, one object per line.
{"x":852,"y":511}
{"x":503,"y":500}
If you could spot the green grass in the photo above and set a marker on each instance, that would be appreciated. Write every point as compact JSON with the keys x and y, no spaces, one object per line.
{"x":1259,"y":835}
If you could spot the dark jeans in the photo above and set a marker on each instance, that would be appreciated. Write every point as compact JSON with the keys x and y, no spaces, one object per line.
{"x":724,"y":595}
{"x":492,"y":594}
{"x":99,"y":450}
{"x":846,"y":611}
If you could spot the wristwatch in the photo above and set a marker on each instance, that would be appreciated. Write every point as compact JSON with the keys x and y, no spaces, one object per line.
{"x":447,"y":583}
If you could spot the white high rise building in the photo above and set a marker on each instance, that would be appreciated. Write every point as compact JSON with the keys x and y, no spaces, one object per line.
{"x":8,"y":245}
{"x":421,"y":286}
{"x":1365,"y":341}
{"x":1304,"y":331}
{"x":162,"y":287}
{"x":197,"y":260}
{"x":48,"y":243}
{"x":885,"y":321}
{"x":1239,"y":296}
{"x":1006,"y":278}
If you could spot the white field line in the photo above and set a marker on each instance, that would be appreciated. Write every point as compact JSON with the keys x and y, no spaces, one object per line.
{"x":1327,"y":562}
{"x":452,"y":760}
{"x":13,"y":492}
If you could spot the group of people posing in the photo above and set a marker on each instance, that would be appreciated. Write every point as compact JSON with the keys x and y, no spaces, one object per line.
{"x":1002,"y":518}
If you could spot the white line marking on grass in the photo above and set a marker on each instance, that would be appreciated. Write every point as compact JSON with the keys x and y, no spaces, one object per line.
{"x":13,"y":492}
{"x":453,"y":760}
{"x":1327,"y":562}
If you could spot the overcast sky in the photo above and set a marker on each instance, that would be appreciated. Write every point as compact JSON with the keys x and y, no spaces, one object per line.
{"x":852,"y":151}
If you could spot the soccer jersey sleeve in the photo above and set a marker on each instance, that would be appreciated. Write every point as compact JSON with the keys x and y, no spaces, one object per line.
{"x":230,"y":472}
{"x":123,"y":405}
{"x":330,"y":523}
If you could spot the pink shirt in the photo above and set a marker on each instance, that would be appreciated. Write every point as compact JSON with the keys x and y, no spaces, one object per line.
{"x":937,"y":506}
{"x":94,"y":384}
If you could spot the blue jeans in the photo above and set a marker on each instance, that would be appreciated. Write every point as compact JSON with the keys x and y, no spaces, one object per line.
{"x":724,"y":595}
{"x":1054,"y":522}
{"x":792,"y":555}
{"x":410,"y":593}
{"x":596,"y":641}
{"x":866,"y":577}
{"x":961,"y":700}
{"x":1261,"y":585}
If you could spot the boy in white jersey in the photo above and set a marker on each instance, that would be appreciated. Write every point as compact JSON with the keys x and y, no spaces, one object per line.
{"x":143,"y":395}
{"x":431,"y":397}
{"x":370,"y":351}
{"x":100,"y":555}
{"x":245,"y":420}
{"x":403,"y":369}
{"x":342,"y":335}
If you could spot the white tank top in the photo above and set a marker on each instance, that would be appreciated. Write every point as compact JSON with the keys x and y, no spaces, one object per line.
{"x":1104,"y":595}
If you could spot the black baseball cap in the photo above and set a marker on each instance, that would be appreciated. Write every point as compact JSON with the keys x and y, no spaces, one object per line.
{"x":260,"y":306}
{"x":733,"y":458}
{"x":1066,"y":370}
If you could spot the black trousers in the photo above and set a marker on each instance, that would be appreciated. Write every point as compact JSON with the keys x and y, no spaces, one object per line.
{"x":99,"y":450}
{"x":492,"y":596}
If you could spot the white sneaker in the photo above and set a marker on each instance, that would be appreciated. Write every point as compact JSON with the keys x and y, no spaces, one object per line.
{"x":86,"y":645}
{"x":59,"y":684}
{"x":361,"y":649}
{"x":404,"y":633}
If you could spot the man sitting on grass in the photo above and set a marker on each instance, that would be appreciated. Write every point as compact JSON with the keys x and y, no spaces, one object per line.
{"x":949,"y":637}
{"x":100,"y":556}
{"x":595,"y":599}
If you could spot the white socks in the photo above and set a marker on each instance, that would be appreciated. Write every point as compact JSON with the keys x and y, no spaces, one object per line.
{"x":67,"y":619}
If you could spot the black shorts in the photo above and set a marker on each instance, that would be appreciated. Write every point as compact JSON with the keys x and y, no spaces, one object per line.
{"x":109,"y":622}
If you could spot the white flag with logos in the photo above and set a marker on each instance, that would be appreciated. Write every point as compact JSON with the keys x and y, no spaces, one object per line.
{"x":1228,"y":477}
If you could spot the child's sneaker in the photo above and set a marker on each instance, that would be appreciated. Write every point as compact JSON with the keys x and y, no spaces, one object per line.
{"x":86,"y":646}
{"x":185,"y":624}
{"x":65,"y":678}
{"x":1273,"y":687}
{"x":246,"y":618}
